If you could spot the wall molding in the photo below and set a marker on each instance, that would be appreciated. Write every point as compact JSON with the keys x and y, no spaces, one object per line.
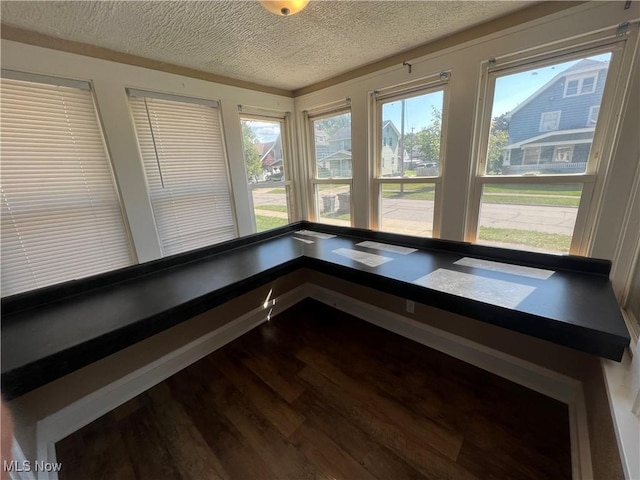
{"x":568,"y":390}
{"x":31,"y":37}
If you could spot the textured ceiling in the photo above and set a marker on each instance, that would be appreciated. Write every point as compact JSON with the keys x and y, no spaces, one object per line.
{"x":239,"y":39}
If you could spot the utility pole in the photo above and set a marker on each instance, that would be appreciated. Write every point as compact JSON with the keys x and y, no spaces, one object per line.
{"x":401,"y":147}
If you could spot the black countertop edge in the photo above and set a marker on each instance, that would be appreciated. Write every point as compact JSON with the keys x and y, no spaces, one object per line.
{"x":562,"y":333}
{"x":63,"y":291}
{"x":34,"y":375}
{"x":505,"y":255}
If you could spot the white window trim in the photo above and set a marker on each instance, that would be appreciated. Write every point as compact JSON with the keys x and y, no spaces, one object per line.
{"x":290,"y":170}
{"x":310,"y":116}
{"x":542,"y":121}
{"x":555,"y":152}
{"x":602,"y":145}
{"x":590,"y":120}
{"x":580,"y":78}
{"x":428,"y":85}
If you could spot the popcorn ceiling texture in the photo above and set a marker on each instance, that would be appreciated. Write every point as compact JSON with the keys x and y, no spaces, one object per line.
{"x":240,"y":39}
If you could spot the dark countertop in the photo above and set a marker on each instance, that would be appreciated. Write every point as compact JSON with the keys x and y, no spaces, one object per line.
{"x":53,"y":331}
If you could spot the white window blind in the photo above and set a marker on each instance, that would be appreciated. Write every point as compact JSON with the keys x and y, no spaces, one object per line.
{"x":61,"y":214}
{"x":183,"y":155}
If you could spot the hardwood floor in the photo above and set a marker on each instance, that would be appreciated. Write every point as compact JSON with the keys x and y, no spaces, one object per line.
{"x":316,"y":393}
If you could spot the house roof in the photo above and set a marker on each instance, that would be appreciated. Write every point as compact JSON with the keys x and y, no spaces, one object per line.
{"x":578,"y":135}
{"x":262,"y":148}
{"x":339,"y":155}
{"x":582,"y":66}
{"x":269,"y":155}
{"x":391,"y":124}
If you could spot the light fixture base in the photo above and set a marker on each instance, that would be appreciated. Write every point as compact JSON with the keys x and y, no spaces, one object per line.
{"x":284,"y":8}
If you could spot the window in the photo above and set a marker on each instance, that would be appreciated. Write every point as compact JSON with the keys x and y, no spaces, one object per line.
{"x":332,"y":167}
{"x":580,"y":84}
{"x":181,"y":146}
{"x":61,"y":213}
{"x":265,"y":154}
{"x":531,"y":156}
{"x":550,"y":121}
{"x":593,"y":115}
{"x":533,"y":176}
{"x":407,"y":170}
{"x":563,"y":154}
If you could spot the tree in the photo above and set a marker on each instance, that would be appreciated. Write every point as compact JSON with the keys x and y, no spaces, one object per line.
{"x":332,"y":124}
{"x":251,"y":155}
{"x":498,"y":139}
{"x":428,"y":139}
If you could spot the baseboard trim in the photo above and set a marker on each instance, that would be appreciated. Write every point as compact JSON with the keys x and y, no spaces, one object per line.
{"x":84,"y":411}
{"x":553,"y":384}
{"x":527,"y":374}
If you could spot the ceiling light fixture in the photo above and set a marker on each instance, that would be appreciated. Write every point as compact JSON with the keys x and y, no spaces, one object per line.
{"x":284,"y":8}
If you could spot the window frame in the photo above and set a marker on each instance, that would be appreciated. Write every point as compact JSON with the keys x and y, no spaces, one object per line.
{"x":558,"y":147}
{"x":143,"y":93}
{"x":289,"y":184}
{"x":542,"y":121}
{"x":580,"y":77}
{"x":592,"y":179}
{"x":429,"y":84}
{"x":310,"y":116}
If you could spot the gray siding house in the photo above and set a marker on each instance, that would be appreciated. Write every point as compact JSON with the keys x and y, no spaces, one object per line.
{"x":552,"y":130}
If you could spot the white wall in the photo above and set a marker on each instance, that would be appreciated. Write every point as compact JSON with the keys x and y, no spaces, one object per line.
{"x":110,"y":79}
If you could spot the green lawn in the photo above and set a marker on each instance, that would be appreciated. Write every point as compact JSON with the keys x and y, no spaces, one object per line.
{"x":553,"y":242}
{"x":337,"y":216}
{"x":267,"y":223}
{"x":412,"y":191}
{"x":277,"y":190}
{"x":546,"y":195}
{"x":272,"y":208}
{"x":527,"y":200}
{"x":573,"y":190}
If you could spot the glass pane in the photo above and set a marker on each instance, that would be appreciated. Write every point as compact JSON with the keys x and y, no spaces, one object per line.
{"x":263,"y":155}
{"x":529,"y":217}
{"x":270,"y":207}
{"x":543,"y":119}
{"x":334,"y":204}
{"x":407,"y":208}
{"x":410,"y":136}
{"x":333,"y":146}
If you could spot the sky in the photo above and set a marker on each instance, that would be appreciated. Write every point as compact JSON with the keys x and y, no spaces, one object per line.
{"x":265,"y":131}
{"x":510,"y":91}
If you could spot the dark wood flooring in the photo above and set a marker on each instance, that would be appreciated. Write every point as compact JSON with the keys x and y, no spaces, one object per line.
{"x":316,"y":393}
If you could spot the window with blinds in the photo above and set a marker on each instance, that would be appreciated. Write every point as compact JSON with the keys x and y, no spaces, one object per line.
{"x":61,"y":213}
{"x":181,"y":146}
